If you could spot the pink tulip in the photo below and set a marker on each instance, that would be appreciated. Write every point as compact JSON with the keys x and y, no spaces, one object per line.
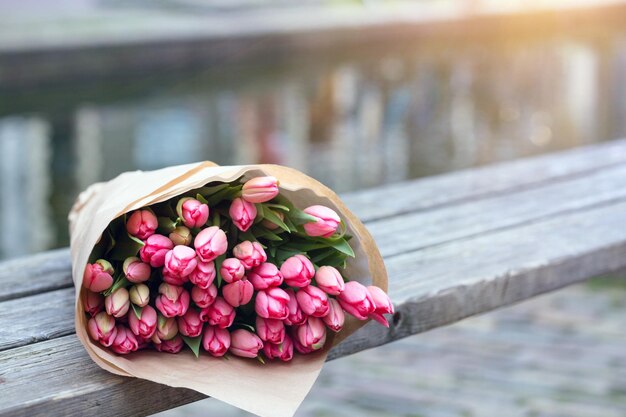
{"x":335,"y":318}
{"x":204,"y":274}
{"x":265,"y":276}
{"x":356,"y":300}
{"x":210,"y":243}
{"x":270,"y":225}
{"x":232,"y":270}
{"x":93,"y":302}
{"x":98,"y":276}
{"x":272,"y":304}
{"x":216,"y":341}
{"x":251,"y":254}
{"x":139,"y":295}
{"x":282,"y":351}
{"x":238,"y":293}
{"x":174,"y":345}
{"x":166,"y":329}
{"x":260,"y":189}
{"x":190,"y":324}
{"x":135,"y":270}
{"x":180,"y":261}
{"x":154,"y":249}
{"x":101,"y":328}
{"x":329,"y":280}
{"x":305,"y":350}
{"x":245,"y":344}
{"x":311,"y":334}
{"x":313,"y":301}
{"x":297,"y":271}
{"x":174,"y":279}
{"x":142,"y":224}
{"x":181,"y":236}
{"x":270,"y":330}
{"x":382,"y":303}
{"x":194,"y":213}
{"x":118,"y":302}
{"x":296,"y":315}
{"x":242,"y":214}
{"x":125,"y":341}
{"x":172,"y":301}
{"x":144,"y":326}
{"x":220,"y":314}
{"x":203,"y":297}
{"x":326,"y":223}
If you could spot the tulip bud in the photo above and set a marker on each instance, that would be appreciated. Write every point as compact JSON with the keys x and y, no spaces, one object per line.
{"x":297,"y":271}
{"x":204,"y":274}
{"x":139,"y":295}
{"x":166,"y":329}
{"x":232,"y":270}
{"x":251,"y":254}
{"x":142,"y":224}
{"x":260,"y":189}
{"x":174,"y":279}
{"x":272,"y":304}
{"x":270,"y":330}
{"x":313,"y":301}
{"x":118,"y":302}
{"x":174,"y":345}
{"x":335,"y":318}
{"x":270,"y":224}
{"x":98,"y":276}
{"x":143,"y":326}
{"x":382,"y":304}
{"x":172,"y":301}
{"x":245,"y":344}
{"x":305,"y":350}
{"x":220,"y":314}
{"x":204,"y":297}
{"x":265,"y":276}
{"x":135,"y":270}
{"x":329,"y":280}
{"x":194,"y":213}
{"x":190,"y":324}
{"x":181,"y":236}
{"x":154,"y":249}
{"x":238,"y":293}
{"x":210,"y":243}
{"x":356,"y":300}
{"x":242,"y":213}
{"x":311,"y":334}
{"x":93,"y":302}
{"x":296,"y":315}
{"x":282,"y":351}
{"x":125,"y":341}
{"x":180,"y":261}
{"x":216,"y":341}
{"x":101,"y":328}
{"x":325,"y":225}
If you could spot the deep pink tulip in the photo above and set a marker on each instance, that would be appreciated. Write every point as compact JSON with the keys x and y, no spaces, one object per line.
{"x":327,"y":221}
{"x":313,"y":301}
{"x":272,"y":304}
{"x":174,"y":279}
{"x":220,"y":314}
{"x":194,"y":213}
{"x":180,"y":262}
{"x":242,"y":213}
{"x":260,"y":189}
{"x":265,"y":276}
{"x":232,"y":270}
{"x":166,"y":329}
{"x":245,"y":344}
{"x":173,"y":345}
{"x":270,"y":330}
{"x":154,"y":249}
{"x":142,"y":224}
{"x":139,"y":295}
{"x":117,"y":303}
{"x":251,"y":254}
{"x":101,"y":328}
{"x":173,"y":300}
{"x":356,"y":300}
{"x":238,"y":293}
{"x":296,"y":315}
{"x":210,"y":243}
{"x":305,"y":350}
{"x":145,"y":326}
{"x":203,"y":297}
{"x":125,"y":341}
{"x":335,"y":318}
{"x":204,"y":274}
{"x":93,"y":302}
{"x":98,"y":276}
{"x":329,"y":280}
{"x":311,"y":334}
{"x":282,"y":351}
{"x":190,"y":324}
{"x":135,"y":270}
{"x":216,"y":341}
{"x":382,"y":304}
{"x":181,"y":236}
{"x":297,"y":271}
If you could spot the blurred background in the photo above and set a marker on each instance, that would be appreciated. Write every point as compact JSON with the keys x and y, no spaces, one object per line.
{"x":356,"y":94}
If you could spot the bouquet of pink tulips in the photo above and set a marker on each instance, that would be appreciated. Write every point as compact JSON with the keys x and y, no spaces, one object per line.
{"x":210,"y":262}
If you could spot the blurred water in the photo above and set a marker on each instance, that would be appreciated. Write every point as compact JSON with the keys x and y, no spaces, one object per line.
{"x":354,"y":119}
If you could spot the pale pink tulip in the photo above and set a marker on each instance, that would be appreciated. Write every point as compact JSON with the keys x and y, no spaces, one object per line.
{"x":190,"y":324}
{"x":272,"y":304}
{"x":220,"y":314}
{"x":166,"y":329}
{"x":135,"y":270}
{"x":329,"y":280}
{"x":194,"y":213}
{"x":125,"y":341}
{"x":238,"y":293}
{"x":296,"y":315}
{"x":251,"y":254}
{"x":204,"y":274}
{"x":297,"y":271}
{"x":232,"y":270}
{"x":282,"y":351}
{"x":93,"y":302}
{"x":143,"y":326}
{"x":356,"y":300}
{"x":335,"y":318}
{"x":101,"y":328}
{"x":173,"y":345}
{"x":98,"y":276}
{"x":203,"y":297}
{"x":311,"y":334}
{"x":210,"y":243}
{"x":313,"y":301}
{"x":242,"y":213}
{"x":270,"y":330}
{"x":139,"y":295}
{"x":154,"y":249}
{"x":173,"y":300}
{"x":382,"y":304}
{"x":325,"y":225}
{"x":180,"y":262}
{"x":260,"y":189}
{"x":216,"y":341}
{"x":142,"y":224}
{"x":245,"y":344}
{"x":117,"y":303}
{"x":265,"y":276}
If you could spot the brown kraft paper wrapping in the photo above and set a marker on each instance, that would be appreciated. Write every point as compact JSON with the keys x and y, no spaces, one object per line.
{"x":275,"y":389}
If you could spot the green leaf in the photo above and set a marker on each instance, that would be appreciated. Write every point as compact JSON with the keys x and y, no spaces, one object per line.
{"x":228,"y":193}
{"x":208,"y":191}
{"x":343,"y":246}
{"x":273,"y":217}
{"x":267,"y":234}
{"x":304,"y":246}
{"x":138,"y":310}
{"x":246,"y":326}
{"x":218,"y":264}
{"x":277,"y":206}
{"x":300,"y":217}
{"x":166,"y":225}
{"x":260,"y":359}
{"x":120,"y":282}
{"x":201,"y":199}
{"x":136,"y":240}
{"x":193,"y":343}
{"x":290,"y":224}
